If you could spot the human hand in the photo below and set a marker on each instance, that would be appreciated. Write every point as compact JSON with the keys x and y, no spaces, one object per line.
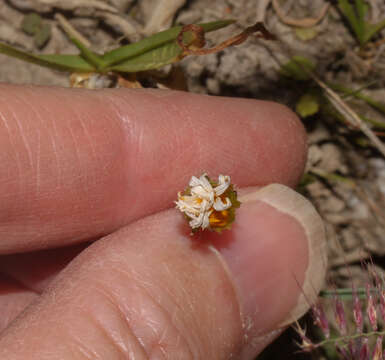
{"x":80,"y":165}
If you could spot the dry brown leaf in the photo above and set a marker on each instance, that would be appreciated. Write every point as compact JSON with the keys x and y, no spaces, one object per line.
{"x":305,"y":22}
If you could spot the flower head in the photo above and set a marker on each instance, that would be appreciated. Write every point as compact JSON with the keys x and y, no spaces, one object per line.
{"x":208,"y":204}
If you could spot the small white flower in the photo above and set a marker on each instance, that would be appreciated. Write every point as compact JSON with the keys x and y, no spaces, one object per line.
{"x":202,"y":199}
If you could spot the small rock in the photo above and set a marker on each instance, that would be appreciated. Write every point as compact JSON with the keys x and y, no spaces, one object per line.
{"x":331,"y":159}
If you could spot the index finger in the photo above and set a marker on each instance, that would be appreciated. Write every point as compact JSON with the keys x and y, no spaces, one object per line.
{"x":79,"y":164}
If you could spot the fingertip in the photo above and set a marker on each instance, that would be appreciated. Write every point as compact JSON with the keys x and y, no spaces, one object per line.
{"x":256,"y":141}
{"x":286,"y":133}
{"x":276,"y":256}
{"x":81,"y":164}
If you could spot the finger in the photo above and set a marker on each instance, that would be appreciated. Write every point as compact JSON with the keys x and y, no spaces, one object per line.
{"x":23,"y":277}
{"x":80,"y":164}
{"x":35,"y":270}
{"x":149,"y":290}
{"x":14,"y":298}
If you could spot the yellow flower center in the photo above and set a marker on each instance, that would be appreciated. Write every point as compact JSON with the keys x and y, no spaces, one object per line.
{"x":219,"y":218}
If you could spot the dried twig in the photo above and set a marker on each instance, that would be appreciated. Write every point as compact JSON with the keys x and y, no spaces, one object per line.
{"x":348,"y":113}
{"x":66,"y":25}
{"x":375,"y":210}
{"x":262,"y":6}
{"x":91,"y":8}
{"x":126,"y":25}
{"x":83,"y":6}
{"x":305,"y":22}
{"x":162,"y":15}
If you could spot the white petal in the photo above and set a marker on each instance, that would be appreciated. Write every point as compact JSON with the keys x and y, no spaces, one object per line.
{"x":200,"y":192}
{"x":194,"y":181}
{"x":223,"y":184}
{"x":206,"y":220}
{"x":205,"y":183}
{"x":186,"y":203}
{"x":205,"y":205}
{"x":219,"y":205}
{"x":196,"y":221}
{"x":202,"y":181}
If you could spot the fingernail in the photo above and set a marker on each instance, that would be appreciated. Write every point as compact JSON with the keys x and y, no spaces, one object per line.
{"x":276,"y":257}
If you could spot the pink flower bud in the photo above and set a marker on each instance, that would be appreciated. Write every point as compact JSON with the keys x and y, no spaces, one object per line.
{"x":357,"y":311}
{"x":320,"y":319}
{"x":364,"y":351}
{"x":377,"y":352}
{"x":340,"y":316}
{"x":371,"y":308}
{"x":381,"y":292}
{"x":343,"y":352}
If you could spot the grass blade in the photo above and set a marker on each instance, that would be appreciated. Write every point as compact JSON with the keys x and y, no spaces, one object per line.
{"x":86,"y":53}
{"x":56,"y":62}
{"x":154,"y":59}
{"x":70,"y":62}
{"x":379,"y":106}
{"x":157,"y":40}
{"x":362,"y":9}
{"x":373,"y":29}
{"x":346,"y":294}
{"x":357,"y":24}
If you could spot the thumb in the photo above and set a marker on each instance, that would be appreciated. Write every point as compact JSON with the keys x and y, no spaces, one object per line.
{"x":151,"y":290}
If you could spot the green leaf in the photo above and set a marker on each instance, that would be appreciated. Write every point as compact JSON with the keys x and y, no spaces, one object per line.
{"x":333,"y":177}
{"x":73,"y":63}
{"x":361,"y":9}
{"x":31,"y":23}
{"x":42,"y":35}
{"x":158,"y":57}
{"x":373,"y":29}
{"x":293,"y":68}
{"x":306,"y":34}
{"x":306,"y":180}
{"x":377,"y":105}
{"x":150,"y":53}
{"x":308,"y":104}
{"x":363,"y":30}
{"x":374,"y":122}
{"x":88,"y":55}
{"x":150,"y":60}
{"x":157,"y":40}
{"x":356,"y":21}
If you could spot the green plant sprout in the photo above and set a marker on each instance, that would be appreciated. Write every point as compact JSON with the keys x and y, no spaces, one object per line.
{"x":293,"y":69}
{"x":332,"y":177}
{"x":312,"y":101}
{"x":151,"y":53}
{"x":347,"y":293}
{"x":355,"y":15}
